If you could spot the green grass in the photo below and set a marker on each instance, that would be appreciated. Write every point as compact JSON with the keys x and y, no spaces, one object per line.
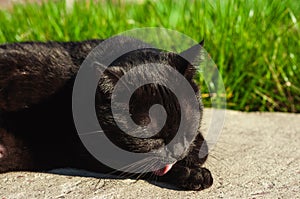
{"x":255,"y":43}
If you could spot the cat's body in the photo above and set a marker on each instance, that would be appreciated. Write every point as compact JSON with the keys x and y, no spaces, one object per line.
{"x":37,"y":130}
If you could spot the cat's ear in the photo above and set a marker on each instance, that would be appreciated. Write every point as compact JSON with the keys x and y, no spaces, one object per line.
{"x":109,"y":76}
{"x":193,"y":56}
{"x":112,"y":72}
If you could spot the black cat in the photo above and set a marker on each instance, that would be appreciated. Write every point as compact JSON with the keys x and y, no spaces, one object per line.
{"x":37,"y":130}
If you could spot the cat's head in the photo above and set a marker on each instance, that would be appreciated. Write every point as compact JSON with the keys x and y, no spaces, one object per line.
{"x":141,"y":140}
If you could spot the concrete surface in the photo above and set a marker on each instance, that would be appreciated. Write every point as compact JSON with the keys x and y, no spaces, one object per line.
{"x":257,"y":156}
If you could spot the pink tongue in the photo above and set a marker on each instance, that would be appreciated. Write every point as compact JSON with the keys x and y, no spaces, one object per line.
{"x":164,"y":170}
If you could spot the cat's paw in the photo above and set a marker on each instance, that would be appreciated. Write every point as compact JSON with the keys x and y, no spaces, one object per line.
{"x":194,"y":178}
{"x":198,"y":179}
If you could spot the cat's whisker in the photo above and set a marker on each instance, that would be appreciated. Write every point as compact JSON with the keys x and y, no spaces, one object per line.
{"x":140,"y":175}
{"x":138,"y":163}
{"x":153,"y":177}
{"x":132,"y":169}
{"x":91,"y":132}
{"x":132,"y":165}
{"x":220,"y":142}
{"x":147,"y":168}
{"x":218,"y":161}
{"x":220,"y":151}
{"x":219,"y":154}
{"x":213,"y":157}
{"x":154,"y":166}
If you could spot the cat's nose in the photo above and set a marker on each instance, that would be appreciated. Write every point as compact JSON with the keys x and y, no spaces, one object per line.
{"x":176,"y":150}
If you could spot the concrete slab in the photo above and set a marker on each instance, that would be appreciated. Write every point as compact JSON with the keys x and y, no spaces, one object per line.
{"x":257,"y":156}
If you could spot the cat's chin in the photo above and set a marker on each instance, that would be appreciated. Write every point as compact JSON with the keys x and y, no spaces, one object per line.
{"x":164,"y":170}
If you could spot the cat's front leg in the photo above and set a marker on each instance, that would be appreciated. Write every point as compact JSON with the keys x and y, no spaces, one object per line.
{"x":188,"y":173}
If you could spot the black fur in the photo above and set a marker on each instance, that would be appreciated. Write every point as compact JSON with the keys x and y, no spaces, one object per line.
{"x":37,"y":132}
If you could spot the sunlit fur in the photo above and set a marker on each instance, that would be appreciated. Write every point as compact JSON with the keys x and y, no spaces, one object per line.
{"x":37,"y":131}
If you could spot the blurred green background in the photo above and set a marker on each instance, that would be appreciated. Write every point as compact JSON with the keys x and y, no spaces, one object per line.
{"x":254,"y":43}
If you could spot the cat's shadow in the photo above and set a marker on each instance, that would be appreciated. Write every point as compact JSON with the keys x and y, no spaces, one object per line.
{"x":85,"y":173}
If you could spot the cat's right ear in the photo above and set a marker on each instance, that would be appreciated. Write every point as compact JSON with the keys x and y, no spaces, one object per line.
{"x":194,"y":57}
{"x":108,"y":76}
{"x":193,"y":54}
{"x":112,"y":72}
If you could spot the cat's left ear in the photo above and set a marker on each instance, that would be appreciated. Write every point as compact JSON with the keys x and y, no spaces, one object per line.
{"x":193,"y":54}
